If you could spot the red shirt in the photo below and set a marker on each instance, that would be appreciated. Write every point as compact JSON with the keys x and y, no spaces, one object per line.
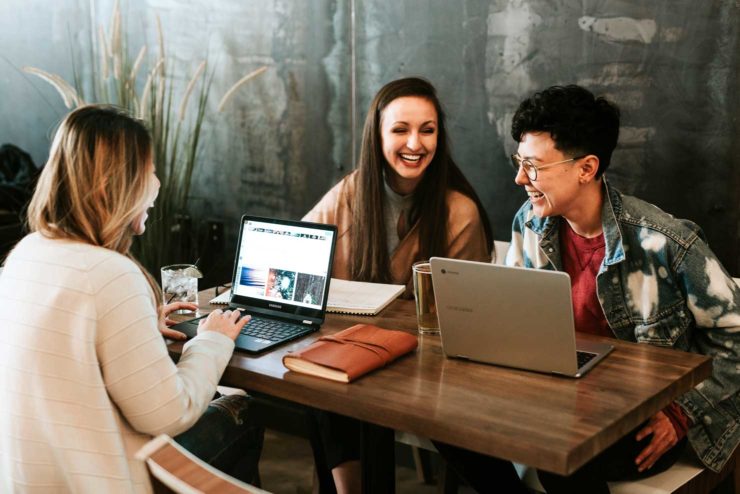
{"x":582,"y":259}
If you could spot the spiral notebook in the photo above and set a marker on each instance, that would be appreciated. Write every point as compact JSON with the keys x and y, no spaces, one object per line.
{"x":349,"y":297}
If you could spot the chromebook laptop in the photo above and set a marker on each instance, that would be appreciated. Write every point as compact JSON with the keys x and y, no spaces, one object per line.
{"x":281,"y":278}
{"x":515,"y":317}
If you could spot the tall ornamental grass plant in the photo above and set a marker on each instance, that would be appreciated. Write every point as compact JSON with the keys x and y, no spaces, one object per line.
{"x":176,"y":126}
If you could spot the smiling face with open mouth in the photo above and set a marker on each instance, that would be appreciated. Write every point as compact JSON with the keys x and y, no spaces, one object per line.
{"x":556,"y":190}
{"x":409,"y":133}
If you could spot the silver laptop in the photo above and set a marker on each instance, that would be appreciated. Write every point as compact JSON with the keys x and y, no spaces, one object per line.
{"x":515,"y":317}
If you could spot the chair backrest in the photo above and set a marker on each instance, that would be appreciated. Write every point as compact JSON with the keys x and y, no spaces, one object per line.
{"x":500,"y":248}
{"x":173,"y":469}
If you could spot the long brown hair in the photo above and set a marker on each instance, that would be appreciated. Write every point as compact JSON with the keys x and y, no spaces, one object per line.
{"x":370,"y":256}
{"x":96,"y":182}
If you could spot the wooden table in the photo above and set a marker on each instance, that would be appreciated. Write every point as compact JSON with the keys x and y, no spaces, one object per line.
{"x":548,"y":422}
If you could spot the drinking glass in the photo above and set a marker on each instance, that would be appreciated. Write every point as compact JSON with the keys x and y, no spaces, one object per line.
{"x":180,"y":283}
{"x":426,"y":310}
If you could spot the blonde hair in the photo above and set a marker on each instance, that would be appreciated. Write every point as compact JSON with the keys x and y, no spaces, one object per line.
{"x":95,"y":183}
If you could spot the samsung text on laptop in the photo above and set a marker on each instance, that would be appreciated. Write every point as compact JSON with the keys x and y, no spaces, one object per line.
{"x":514,"y":317}
{"x":281,"y":278}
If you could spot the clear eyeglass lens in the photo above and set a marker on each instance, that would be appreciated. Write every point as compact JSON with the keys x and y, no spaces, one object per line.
{"x":530,"y":170}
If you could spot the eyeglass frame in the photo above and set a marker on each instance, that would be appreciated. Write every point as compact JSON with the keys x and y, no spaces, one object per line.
{"x":518,"y":162}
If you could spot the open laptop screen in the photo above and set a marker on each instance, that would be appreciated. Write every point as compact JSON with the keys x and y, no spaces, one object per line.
{"x":283,"y":265}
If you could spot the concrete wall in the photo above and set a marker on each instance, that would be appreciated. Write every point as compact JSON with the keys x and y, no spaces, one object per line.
{"x":671,"y":65}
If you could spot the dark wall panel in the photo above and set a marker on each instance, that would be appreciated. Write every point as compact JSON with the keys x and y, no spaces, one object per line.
{"x":671,"y":65}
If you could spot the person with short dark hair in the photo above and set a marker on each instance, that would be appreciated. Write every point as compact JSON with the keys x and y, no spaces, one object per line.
{"x":637,"y":274}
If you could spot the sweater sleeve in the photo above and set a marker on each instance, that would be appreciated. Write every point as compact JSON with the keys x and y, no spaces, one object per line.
{"x":153,"y":394}
{"x":327,"y":210}
{"x":320,"y":213}
{"x":467,"y":237}
{"x":678,"y":419}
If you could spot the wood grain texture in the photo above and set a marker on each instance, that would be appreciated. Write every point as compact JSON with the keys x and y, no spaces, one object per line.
{"x":171,"y":464}
{"x":548,"y":422}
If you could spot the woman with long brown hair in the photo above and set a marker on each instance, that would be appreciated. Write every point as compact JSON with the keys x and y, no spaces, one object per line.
{"x":85,"y":376}
{"x":407,"y":201}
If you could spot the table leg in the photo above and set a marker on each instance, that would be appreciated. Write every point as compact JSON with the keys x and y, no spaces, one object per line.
{"x":378,"y":459}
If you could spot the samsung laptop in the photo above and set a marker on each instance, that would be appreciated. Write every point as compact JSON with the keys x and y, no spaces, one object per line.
{"x":281,"y":278}
{"x":515,"y":317}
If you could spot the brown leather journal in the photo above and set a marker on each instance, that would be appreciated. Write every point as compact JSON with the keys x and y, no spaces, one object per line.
{"x":351,"y":353}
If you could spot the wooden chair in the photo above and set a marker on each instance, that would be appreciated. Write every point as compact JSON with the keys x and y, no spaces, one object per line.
{"x":500,"y":248}
{"x":173,"y":469}
{"x":687,"y":476}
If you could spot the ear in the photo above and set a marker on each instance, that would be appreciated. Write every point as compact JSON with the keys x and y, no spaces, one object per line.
{"x":587,"y":168}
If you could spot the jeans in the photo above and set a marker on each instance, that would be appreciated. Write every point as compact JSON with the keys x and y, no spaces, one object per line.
{"x":227,"y":439}
{"x":485,"y":474}
{"x":340,"y":437}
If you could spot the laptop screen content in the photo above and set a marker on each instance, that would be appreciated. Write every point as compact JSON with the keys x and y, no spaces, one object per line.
{"x":286,"y":266}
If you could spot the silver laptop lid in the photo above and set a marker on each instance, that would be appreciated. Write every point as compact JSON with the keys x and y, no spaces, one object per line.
{"x":508,"y":316}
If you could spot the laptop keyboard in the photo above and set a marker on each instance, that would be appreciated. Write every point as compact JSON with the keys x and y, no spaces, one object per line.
{"x":584,"y":358}
{"x":271,"y":329}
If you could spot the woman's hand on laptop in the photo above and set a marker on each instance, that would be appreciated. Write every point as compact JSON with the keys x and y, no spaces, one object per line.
{"x":224,"y":322}
{"x":165,"y":321}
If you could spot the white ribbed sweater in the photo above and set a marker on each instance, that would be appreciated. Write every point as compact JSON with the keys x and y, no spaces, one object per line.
{"x":85,"y":377}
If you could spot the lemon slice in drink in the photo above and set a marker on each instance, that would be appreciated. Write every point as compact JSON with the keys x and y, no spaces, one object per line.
{"x":192,"y":272}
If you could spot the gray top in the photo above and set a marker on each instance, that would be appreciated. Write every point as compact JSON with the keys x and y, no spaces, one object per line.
{"x":393,"y":205}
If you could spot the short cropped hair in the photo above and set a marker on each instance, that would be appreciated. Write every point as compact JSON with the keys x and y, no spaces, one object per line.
{"x":578,"y":122}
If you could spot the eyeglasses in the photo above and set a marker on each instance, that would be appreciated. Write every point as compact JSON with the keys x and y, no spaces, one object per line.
{"x":531,"y":169}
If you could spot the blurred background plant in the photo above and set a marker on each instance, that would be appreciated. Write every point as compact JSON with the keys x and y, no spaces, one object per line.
{"x":176,"y":126}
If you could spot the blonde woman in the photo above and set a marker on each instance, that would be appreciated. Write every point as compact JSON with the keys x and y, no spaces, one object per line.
{"x":85,"y":377}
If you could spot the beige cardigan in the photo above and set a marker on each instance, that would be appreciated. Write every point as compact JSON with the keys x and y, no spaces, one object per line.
{"x":467,"y":238}
{"x":85,"y":376}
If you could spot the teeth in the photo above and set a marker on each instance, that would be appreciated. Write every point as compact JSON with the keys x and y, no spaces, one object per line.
{"x":535,"y":195}
{"x":411,"y":157}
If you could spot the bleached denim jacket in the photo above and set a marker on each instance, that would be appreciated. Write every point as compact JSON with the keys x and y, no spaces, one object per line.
{"x":660,"y":284}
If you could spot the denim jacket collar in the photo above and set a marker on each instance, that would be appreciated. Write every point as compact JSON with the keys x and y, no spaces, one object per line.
{"x":611,"y":211}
